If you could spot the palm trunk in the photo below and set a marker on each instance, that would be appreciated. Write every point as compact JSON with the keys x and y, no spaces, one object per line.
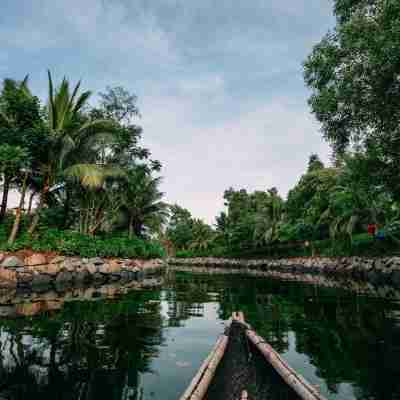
{"x":138,"y":227}
{"x":17,"y":220}
{"x":31,"y":196}
{"x":67,"y":207}
{"x":38,"y":210}
{"x":131,"y":230}
{"x":4,"y":201}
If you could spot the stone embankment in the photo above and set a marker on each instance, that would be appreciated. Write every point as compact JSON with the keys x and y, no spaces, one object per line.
{"x":375,"y":270}
{"x":44,"y":270}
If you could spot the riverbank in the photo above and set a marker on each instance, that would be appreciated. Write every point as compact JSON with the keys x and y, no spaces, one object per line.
{"x":27,"y":269}
{"x":385,"y":270}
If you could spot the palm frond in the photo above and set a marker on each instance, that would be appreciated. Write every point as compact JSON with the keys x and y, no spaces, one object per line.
{"x":83,"y":98}
{"x":52,"y":110}
{"x":92,"y":176}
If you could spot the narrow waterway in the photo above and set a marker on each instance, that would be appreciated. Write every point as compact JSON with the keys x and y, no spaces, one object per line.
{"x":148,"y":344}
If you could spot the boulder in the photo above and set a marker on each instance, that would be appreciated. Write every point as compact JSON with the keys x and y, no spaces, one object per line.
{"x":7,"y":311}
{"x":96,"y":261}
{"x":24,"y":278}
{"x":8,"y":278}
{"x":12,"y":262}
{"x":41,"y":280}
{"x":71,"y":264}
{"x":58,"y":260}
{"x":82,"y":276}
{"x":35,"y":259}
{"x":91,"y":268}
{"x":28,"y":309}
{"x":64,"y":277}
{"x":51,"y":269}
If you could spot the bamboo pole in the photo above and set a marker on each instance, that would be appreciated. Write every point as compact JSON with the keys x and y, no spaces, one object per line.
{"x":303,"y":388}
{"x":200,"y":383}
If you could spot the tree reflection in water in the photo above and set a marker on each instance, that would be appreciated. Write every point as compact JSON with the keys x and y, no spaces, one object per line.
{"x":348,"y":344}
{"x":89,"y":350}
{"x":348,"y":338}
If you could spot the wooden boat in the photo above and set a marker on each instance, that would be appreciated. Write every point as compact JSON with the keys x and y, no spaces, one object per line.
{"x":243,"y":366}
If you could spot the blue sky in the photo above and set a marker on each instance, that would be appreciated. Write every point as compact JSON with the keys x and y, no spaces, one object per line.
{"x":219,"y":82}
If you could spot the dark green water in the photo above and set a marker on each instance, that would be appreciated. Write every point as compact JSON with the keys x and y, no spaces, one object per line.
{"x":147,"y":345}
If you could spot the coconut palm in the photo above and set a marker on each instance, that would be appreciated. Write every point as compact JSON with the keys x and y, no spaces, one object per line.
{"x":268,"y":218}
{"x":70,"y":135}
{"x":97,"y":191}
{"x":141,"y":200}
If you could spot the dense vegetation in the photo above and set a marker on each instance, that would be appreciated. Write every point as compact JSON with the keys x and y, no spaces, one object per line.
{"x":93,"y":182}
{"x":327,"y":212}
{"x":353,"y":74}
{"x":90,"y":188}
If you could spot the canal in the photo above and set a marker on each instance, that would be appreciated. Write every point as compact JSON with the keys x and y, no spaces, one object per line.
{"x":148,"y":344}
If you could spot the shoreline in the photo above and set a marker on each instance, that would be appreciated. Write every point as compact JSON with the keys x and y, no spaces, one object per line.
{"x":43,"y":270}
{"x":378,"y":271}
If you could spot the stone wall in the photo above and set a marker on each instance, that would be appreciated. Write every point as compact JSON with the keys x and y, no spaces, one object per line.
{"x":43,"y":270}
{"x":381,"y":271}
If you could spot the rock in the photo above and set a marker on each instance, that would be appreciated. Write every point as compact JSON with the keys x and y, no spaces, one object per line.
{"x":51,"y":269}
{"x":35,"y":259}
{"x":28,"y":309}
{"x":64,"y":277}
{"x":99,"y":277}
{"x":104,"y":269}
{"x":71,"y":264}
{"x":41,"y":280}
{"x":24,"y":278}
{"x":395,"y":277}
{"x":8,"y":278}
{"x":96,"y":261}
{"x":12,"y":262}
{"x":58,"y":260}
{"x":82,"y":276}
{"x":7,"y":311}
{"x":91,"y":268}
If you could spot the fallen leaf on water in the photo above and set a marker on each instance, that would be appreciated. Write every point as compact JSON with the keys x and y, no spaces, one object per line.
{"x":182,"y":364}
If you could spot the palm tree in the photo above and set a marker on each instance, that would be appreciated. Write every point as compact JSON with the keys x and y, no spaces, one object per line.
{"x":70,"y":135}
{"x":268,"y":217}
{"x":141,"y":200}
{"x":98,"y":194}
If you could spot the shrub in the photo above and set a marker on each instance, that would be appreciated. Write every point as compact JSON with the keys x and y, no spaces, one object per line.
{"x":72,"y":243}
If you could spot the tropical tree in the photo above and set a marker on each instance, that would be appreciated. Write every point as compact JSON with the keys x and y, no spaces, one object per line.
{"x":141,"y":200}
{"x":21,"y":132}
{"x":353,"y":74}
{"x":70,"y":135}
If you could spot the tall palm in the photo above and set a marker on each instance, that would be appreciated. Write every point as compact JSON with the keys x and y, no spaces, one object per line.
{"x":141,"y":200}
{"x":69,"y":134}
{"x":268,"y":217}
{"x":97,"y":191}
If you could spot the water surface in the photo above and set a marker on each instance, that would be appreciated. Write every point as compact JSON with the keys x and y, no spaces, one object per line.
{"x":148,"y":344}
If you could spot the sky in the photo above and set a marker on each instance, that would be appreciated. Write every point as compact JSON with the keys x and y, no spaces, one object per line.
{"x":219,"y":82}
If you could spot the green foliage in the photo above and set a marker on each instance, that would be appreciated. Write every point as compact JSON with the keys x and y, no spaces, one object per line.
{"x":76,"y":244}
{"x":86,"y":167}
{"x":353,"y":74}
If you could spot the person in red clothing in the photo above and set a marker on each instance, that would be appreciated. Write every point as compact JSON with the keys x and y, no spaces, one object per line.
{"x":372,"y":229}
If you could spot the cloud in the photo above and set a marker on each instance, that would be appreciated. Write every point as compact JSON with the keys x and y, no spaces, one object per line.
{"x":219,"y":83}
{"x":257,"y":149}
